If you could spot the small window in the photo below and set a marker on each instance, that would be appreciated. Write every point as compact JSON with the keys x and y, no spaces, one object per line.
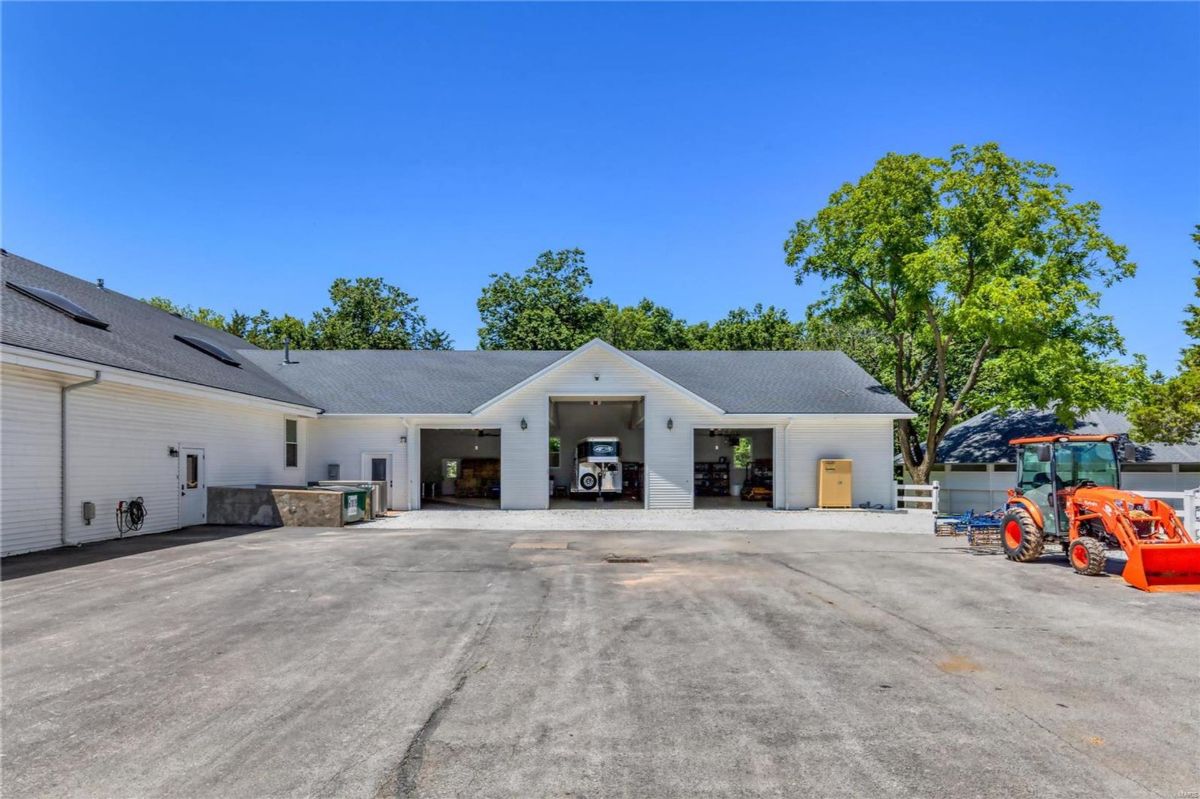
{"x":449,"y":468}
{"x":555,"y":451}
{"x":1004,"y":467}
{"x":291,"y":436}
{"x":968,"y":467}
{"x":193,"y":470}
{"x":1189,"y":467}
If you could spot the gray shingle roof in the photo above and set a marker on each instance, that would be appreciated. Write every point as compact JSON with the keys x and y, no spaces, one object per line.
{"x":140,"y":338}
{"x":984,"y":438}
{"x":776,"y":382}
{"x":400,"y":381}
{"x":366,"y":381}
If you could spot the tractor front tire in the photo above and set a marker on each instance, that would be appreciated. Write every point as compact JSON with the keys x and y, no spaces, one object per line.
{"x":1087,"y":555}
{"x":1022,"y":539}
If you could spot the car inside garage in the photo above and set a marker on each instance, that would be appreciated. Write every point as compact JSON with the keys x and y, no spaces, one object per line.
{"x":460,"y":468}
{"x":597,"y":452}
{"x":733,"y":468}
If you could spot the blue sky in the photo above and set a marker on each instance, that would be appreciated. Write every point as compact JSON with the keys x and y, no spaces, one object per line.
{"x":238,"y":155}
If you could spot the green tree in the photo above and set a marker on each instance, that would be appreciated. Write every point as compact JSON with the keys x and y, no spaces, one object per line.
{"x":545,"y":308}
{"x":755,"y":329}
{"x":1169,"y":410}
{"x":205,"y":316}
{"x":433,"y":339}
{"x":270,"y":332}
{"x":645,"y":326}
{"x":367,"y":313}
{"x":981,"y":275}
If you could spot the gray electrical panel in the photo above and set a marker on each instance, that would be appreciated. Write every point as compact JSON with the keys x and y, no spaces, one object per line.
{"x":335,"y":471}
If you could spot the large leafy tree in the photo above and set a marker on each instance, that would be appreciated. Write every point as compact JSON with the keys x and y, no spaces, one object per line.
{"x":756,"y":329}
{"x":981,"y":276}
{"x":548,"y":307}
{"x":1169,"y":410}
{"x":645,"y":326}
{"x":544,"y":308}
{"x":367,"y":313}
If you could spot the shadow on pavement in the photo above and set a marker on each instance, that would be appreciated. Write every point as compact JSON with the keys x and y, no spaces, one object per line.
{"x":17,"y":566}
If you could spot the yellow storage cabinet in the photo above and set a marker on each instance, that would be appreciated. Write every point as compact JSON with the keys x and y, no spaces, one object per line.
{"x":836,"y":480}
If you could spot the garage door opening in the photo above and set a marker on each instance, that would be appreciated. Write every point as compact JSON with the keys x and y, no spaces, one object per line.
{"x":597,"y":452}
{"x":733,"y":468}
{"x":460,"y":469}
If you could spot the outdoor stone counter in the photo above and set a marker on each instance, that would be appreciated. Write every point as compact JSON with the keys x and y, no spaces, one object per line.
{"x":274,"y":507}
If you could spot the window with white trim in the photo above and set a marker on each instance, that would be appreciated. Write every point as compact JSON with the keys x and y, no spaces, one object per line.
{"x":291,"y":436}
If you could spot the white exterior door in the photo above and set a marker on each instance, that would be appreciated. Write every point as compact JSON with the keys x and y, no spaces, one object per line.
{"x":377,"y":466}
{"x":193,"y":489}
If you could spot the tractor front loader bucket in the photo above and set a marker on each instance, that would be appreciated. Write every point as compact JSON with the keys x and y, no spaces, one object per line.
{"x":1164,"y":566}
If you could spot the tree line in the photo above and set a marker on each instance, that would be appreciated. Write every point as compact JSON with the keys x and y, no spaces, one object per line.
{"x":364,"y":313}
{"x":546,"y":307}
{"x":961,"y":283}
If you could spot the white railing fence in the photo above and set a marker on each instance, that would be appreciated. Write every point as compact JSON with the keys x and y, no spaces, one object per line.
{"x":1185,"y":503}
{"x":917,"y":497}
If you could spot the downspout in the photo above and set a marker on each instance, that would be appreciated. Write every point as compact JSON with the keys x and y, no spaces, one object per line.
{"x":787,"y":465}
{"x":62,"y":417}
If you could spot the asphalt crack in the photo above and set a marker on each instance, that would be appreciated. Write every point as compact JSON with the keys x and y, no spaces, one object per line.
{"x":401,"y":781}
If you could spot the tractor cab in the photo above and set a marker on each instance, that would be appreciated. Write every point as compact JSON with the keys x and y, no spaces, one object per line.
{"x":1050,"y":468}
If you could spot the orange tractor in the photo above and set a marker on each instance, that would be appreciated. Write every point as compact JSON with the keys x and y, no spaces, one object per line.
{"x":1069,"y":492}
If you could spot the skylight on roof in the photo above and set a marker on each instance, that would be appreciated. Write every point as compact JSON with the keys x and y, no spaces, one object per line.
{"x":59,"y":303}
{"x":208,"y":348}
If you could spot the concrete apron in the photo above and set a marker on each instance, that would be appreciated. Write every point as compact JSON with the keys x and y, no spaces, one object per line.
{"x":861,"y":521}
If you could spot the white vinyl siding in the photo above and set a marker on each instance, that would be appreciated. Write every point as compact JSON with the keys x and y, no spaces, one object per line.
{"x":344,"y":440}
{"x":119,"y":438}
{"x":30,"y":459}
{"x":867,"y":442}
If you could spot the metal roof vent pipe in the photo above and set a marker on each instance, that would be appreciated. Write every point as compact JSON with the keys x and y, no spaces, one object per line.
{"x":287,"y":351}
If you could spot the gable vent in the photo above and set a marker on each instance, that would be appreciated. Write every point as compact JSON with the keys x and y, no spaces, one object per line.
{"x":208,"y":348}
{"x":59,"y":303}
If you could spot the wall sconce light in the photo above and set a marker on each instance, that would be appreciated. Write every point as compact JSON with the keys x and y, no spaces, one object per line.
{"x":670,"y":423}
{"x":524,"y":424}
{"x":596,"y":377}
{"x":173,"y":452}
{"x":403,"y":439}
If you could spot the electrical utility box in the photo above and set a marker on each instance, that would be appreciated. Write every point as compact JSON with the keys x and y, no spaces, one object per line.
{"x":836,"y":480}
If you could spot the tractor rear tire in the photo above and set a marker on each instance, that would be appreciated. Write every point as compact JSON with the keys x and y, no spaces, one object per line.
{"x":1087,"y":556}
{"x":1020,"y":536}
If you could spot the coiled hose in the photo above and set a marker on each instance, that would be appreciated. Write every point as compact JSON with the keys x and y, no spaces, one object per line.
{"x":131,"y":515}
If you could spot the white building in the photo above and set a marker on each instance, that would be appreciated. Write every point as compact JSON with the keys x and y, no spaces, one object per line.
{"x":105,"y":398}
{"x":975,"y":465}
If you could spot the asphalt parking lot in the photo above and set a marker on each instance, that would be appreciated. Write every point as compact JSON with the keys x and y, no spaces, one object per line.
{"x":374,"y":663}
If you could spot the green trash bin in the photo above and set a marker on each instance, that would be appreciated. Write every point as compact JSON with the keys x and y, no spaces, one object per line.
{"x":354,"y":502}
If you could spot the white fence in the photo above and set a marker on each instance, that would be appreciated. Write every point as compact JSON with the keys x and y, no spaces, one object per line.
{"x":917,"y":497}
{"x":1185,"y":503}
